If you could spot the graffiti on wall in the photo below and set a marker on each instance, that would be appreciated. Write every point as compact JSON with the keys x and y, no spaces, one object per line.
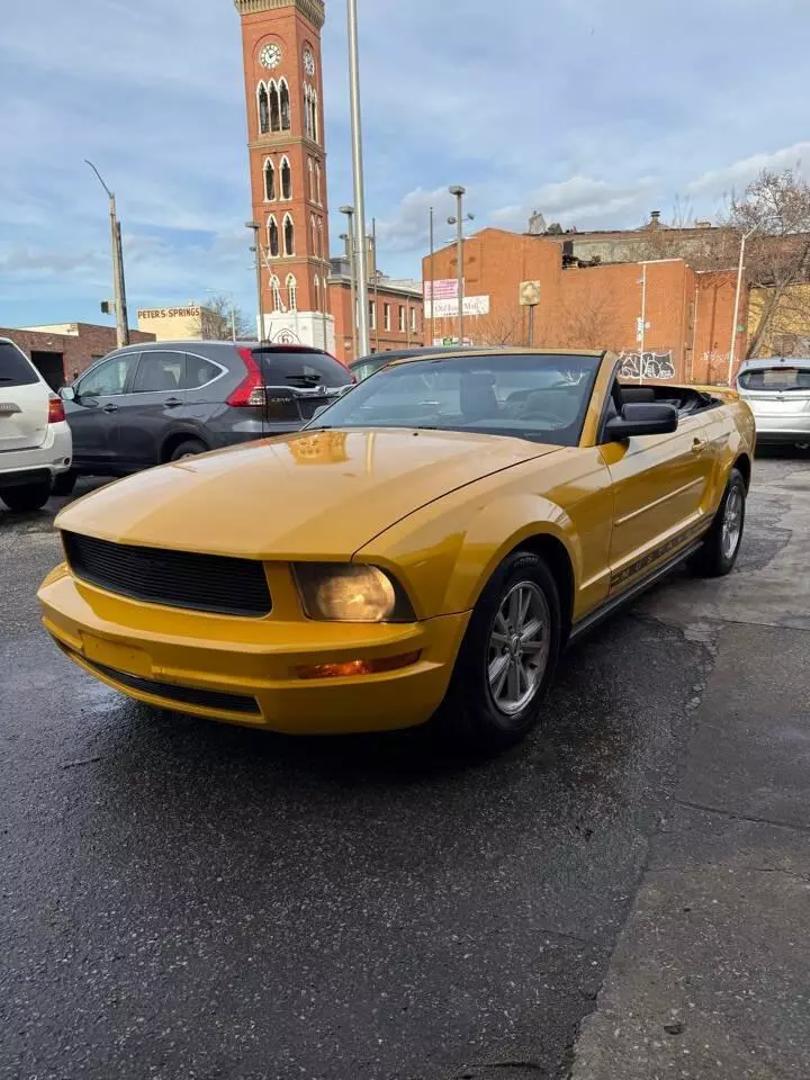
{"x":647,"y":365}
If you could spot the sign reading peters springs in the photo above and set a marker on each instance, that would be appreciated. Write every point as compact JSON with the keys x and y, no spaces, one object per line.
{"x":170,"y":313}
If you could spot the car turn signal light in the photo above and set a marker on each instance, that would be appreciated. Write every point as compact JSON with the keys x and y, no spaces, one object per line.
{"x":357,"y":667}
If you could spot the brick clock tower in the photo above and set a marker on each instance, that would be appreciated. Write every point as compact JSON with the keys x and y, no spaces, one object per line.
{"x":281,"y":40}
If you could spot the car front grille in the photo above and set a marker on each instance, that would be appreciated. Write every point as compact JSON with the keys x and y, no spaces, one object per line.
{"x":214,"y":583}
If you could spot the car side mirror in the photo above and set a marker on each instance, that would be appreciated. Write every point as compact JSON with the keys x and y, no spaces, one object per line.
{"x":68,"y":393}
{"x":638,"y":419}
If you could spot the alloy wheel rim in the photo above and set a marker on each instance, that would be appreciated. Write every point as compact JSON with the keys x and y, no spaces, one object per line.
{"x":732,"y":523}
{"x":519,"y":645}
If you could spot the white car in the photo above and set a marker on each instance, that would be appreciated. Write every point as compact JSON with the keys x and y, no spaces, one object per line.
{"x":778,"y":392}
{"x":35,"y":443}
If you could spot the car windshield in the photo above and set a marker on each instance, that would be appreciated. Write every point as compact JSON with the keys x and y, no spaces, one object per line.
{"x":776,"y":378}
{"x":538,"y":397}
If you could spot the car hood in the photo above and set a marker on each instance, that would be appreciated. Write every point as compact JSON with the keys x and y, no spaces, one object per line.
{"x":319,"y":495}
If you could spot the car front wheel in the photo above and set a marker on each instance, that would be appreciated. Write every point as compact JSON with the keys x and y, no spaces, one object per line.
{"x":187,"y":449}
{"x":26,"y":497}
{"x":507,"y":659}
{"x":720,"y":549}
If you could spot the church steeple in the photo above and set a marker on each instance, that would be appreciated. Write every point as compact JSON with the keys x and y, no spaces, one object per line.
{"x":281,"y":42}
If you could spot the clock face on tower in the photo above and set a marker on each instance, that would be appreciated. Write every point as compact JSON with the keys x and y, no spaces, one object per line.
{"x":270,"y":56}
{"x":309,"y":63}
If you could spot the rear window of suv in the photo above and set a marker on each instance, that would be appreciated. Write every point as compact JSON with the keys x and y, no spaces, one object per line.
{"x":15,"y":370}
{"x":776,"y":378}
{"x":301,"y":369}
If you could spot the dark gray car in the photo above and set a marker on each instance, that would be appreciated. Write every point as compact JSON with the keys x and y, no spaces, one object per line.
{"x":149,"y":404}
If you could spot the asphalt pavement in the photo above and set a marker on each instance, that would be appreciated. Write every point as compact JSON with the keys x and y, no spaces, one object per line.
{"x":623,"y":897}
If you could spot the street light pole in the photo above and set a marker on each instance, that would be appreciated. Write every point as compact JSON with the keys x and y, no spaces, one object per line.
{"x":256,"y":229}
{"x":459,"y":221}
{"x":359,"y":185}
{"x":119,"y":285}
{"x":349,"y":212}
{"x":432,"y":278}
{"x":741,"y":269}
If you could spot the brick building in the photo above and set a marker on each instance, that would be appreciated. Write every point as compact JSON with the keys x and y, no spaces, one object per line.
{"x":395,"y":312}
{"x":688,"y":313}
{"x":65,"y":350}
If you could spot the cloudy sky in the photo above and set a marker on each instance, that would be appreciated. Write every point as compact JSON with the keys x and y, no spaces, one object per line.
{"x":593,"y":111}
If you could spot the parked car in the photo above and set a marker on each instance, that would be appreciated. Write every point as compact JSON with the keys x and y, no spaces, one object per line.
{"x":149,"y":404}
{"x":778,"y":392}
{"x":35,"y":443}
{"x":424,"y":552}
{"x":368,"y":365}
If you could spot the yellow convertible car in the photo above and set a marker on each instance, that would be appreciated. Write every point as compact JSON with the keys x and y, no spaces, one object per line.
{"x":423,"y":551}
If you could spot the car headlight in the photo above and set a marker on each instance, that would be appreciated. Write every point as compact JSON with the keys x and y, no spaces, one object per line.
{"x":351,"y":592}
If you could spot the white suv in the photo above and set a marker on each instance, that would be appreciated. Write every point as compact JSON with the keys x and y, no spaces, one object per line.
{"x":35,"y":442}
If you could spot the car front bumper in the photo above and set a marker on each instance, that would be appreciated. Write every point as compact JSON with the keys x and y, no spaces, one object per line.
{"x":246,"y":671}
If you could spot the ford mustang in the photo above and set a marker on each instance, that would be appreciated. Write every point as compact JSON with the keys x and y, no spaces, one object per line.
{"x":423,"y":551}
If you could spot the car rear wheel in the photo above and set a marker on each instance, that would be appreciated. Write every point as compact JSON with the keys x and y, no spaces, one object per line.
{"x":189,"y":448}
{"x":507,"y":659}
{"x":26,"y":497}
{"x":720,"y":549}
{"x":65,"y":482}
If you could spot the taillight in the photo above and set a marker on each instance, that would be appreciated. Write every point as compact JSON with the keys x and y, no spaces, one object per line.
{"x":250,"y":390}
{"x":56,"y":410}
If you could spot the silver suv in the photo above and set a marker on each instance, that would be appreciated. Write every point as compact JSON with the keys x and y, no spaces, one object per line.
{"x":778,"y":392}
{"x":149,"y":404}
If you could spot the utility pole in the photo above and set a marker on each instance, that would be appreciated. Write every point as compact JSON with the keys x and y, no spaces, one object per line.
{"x":740,"y":271}
{"x":642,"y":325}
{"x":359,"y":185}
{"x":349,"y":212}
{"x":119,"y":285}
{"x":459,"y":221}
{"x":432,"y":278}
{"x":256,"y":228}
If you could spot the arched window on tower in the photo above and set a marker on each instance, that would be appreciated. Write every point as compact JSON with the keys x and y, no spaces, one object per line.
{"x":275,"y":292}
{"x":284,"y":95}
{"x":264,"y":109}
{"x":318,"y":196}
{"x":289,"y":235}
{"x":275,"y":108}
{"x":273,"y":237}
{"x":307,"y":112}
{"x":269,"y":181}
{"x":286,"y":179}
{"x":321,"y":251}
{"x":313,"y":228}
{"x":313,"y":105}
{"x":311,"y":171}
{"x":292,"y":293}
{"x":317,"y":293}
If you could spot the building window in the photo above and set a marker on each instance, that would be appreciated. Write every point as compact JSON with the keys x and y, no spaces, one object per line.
{"x":311,"y":169}
{"x":401,"y":319}
{"x":264,"y":109}
{"x":311,"y":110}
{"x":289,"y":235}
{"x":321,"y":250}
{"x":292,"y":293}
{"x":387,"y":316}
{"x":286,"y":179}
{"x":272,"y":237}
{"x":314,"y":233}
{"x":275,"y":291}
{"x":413,"y":320}
{"x":315,"y":115}
{"x":269,"y":181}
{"x":372,"y":314}
{"x":318,"y":196}
{"x":285,"y":105}
{"x":317,"y":293}
{"x":275,"y":108}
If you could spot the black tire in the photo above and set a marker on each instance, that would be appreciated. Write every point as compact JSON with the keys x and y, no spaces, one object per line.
{"x":65,"y":482}
{"x":714,"y":559}
{"x":26,"y":497}
{"x":189,"y":448}
{"x":470,"y":718}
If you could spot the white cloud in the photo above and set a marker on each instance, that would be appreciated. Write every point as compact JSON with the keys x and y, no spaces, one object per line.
{"x":579,"y":198}
{"x":739,"y":173}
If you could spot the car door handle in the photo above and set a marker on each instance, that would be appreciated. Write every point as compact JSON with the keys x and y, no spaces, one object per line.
{"x":698,"y":446}
{"x":110,"y":408}
{"x":172,"y":403}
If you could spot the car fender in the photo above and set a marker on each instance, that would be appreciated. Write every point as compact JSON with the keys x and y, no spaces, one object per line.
{"x":444,"y":555}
